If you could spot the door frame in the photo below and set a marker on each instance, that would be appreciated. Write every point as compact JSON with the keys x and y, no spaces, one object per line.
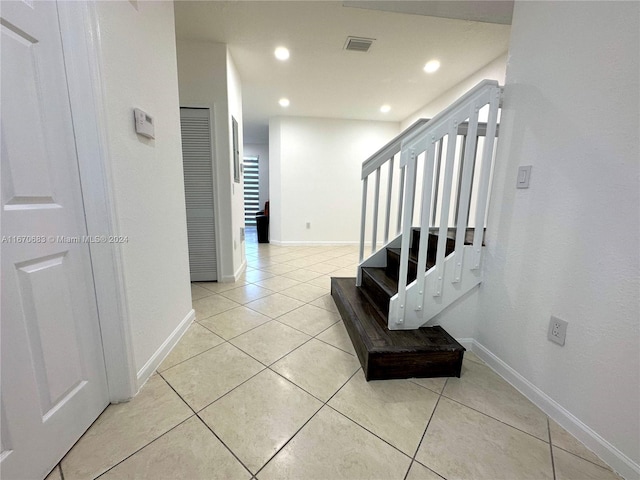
{"x":80,"y":33}
{"x":215,"y":185}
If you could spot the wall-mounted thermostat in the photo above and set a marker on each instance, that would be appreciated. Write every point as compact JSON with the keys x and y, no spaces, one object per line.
{"x":144,"y":123}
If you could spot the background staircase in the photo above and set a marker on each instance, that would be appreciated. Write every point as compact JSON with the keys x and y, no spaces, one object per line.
{"x":384,"y":353}
{"x":444,"y":174}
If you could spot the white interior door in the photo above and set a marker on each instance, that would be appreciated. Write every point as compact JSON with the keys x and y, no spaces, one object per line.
{"x":53,"y":380}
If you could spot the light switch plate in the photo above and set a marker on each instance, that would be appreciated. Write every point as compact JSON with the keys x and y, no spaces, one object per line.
{"x":524,"y":175}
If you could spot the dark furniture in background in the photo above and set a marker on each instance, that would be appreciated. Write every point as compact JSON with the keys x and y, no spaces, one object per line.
{"x":262,"y":224}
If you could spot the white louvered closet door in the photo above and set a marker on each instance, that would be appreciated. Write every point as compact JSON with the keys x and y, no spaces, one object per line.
{"x":198,"y":185}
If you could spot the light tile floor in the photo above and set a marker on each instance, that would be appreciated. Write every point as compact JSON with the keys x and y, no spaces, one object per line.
{"x":266,"y":385}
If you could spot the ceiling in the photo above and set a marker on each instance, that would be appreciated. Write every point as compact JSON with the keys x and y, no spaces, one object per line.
{"x":321,"y":79}
{"x":490,"y":11}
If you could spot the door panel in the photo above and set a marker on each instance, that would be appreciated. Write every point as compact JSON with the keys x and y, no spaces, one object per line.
{"x":52,"y":367}
{"x":46,"y":303}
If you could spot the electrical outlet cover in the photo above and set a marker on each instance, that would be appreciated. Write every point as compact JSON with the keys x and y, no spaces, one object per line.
{"x":557,"y":330}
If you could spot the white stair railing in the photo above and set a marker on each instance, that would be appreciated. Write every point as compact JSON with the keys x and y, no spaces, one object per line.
{"x":452,"y":195}
{"x":386,"y":155}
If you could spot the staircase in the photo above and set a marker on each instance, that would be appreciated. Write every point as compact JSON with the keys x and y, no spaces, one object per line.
{"x":438,"y":194}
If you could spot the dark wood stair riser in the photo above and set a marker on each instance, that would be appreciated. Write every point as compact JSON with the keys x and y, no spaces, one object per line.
{"x":432,"y":245}
{"x":376,"y":292}
{"x":393,"y":265}
{"x":382,"y":366}
{"x":386,"y":354}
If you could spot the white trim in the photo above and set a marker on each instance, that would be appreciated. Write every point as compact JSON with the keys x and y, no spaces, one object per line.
{"x":314,"y":243}
{"x":165,"y":349}
{"x":320,"y":243}
{"x":622,"y":464}
{"x":466,"y":343}
{"x":236,"y":276}
{"x":81,"y":45}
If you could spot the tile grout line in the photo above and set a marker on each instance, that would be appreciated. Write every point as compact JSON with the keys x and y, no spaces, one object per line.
{"x":317,"y":334}
{"x":424,"y":434}
{"x":312,"y":338}
{"x":553,"y":463}
{"x":217,"y":313}
{"x":607,"y":468}
{"x":426,"y":388}
{"x":195,"y":414}
{"x":279,"y":358}
{"x":301,"y":388}
{"x":302,"y":331}
{"x":225,"y":445}
{"x":271,"y":292}
{"x":570,"y":453}
{"x":493,"y":418}
{"x":77,"y":441}
{"x":324,"y":404}
{"x":331,"y":345}
{"x":146,"y":444}
{"x":236,"y":336}
{"x":369,"y":431}
{"x":194,"y":356}
{"x":237,"y":386}
{"x":272,"y":318}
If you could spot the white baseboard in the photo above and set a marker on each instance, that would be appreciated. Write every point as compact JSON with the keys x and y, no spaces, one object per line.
{"x":466,"y":343}
{"x":313,"y":243}
{"x":234,"y":278}
{"x":161,"y":353}
{"x":617,"y":460}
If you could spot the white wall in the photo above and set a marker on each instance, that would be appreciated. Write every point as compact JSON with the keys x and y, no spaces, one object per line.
{"x":494,"y":70}
{"x":568,"y":246}
{"x":315,"y":166}
{"x":138,"y":63}
{"x":275,"y":180}
{"x":234,"y":96}
{"x":208,"y":78}
{"x":256,"y":133}
{"x":260,"y":150}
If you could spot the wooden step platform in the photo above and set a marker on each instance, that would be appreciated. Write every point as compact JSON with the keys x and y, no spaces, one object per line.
{"x":387,"y":354}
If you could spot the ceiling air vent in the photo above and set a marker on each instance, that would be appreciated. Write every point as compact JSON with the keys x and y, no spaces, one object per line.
{"x":358,"y":44}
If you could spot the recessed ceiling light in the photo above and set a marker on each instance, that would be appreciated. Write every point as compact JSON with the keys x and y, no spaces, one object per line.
{"x":432,"y":66}
{"x":284,"y":102}
{"x":281,"y":53}
{"x":385,"y":108}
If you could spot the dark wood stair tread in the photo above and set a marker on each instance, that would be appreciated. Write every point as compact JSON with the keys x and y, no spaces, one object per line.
{"x":386,"y":354}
